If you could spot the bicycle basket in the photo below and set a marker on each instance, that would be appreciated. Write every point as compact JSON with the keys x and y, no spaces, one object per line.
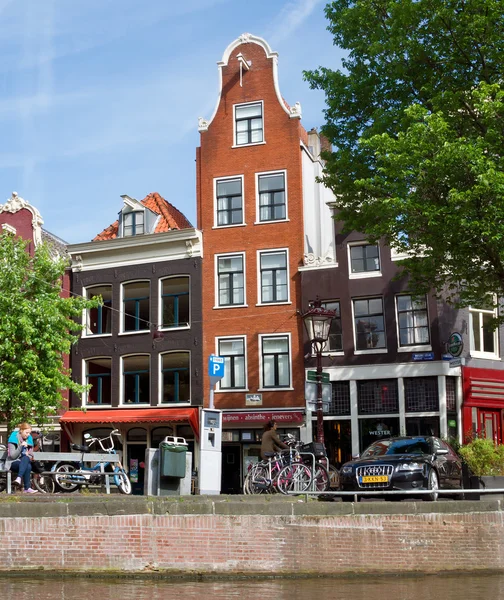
{"x":315,"y":448}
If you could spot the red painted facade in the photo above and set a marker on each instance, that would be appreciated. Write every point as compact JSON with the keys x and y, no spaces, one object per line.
{"x":483,"y":407}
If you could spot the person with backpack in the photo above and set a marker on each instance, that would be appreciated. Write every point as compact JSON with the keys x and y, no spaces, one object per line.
{"x":20,"y":457}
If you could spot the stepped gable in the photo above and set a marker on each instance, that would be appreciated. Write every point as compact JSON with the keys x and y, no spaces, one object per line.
{"x":170,"y":218}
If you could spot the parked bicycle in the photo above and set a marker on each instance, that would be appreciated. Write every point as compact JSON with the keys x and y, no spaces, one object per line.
{"x":38,"y":481}
{"x":72,"y":476}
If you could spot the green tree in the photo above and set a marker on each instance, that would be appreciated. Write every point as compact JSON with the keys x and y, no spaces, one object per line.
{"x":37,"y":328}
{"x":416,"y":119}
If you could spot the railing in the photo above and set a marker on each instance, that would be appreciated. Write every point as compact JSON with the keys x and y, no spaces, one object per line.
{"x":380,"y":493}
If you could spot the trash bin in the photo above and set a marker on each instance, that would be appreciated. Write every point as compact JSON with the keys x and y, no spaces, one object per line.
{"x":173,"y":457}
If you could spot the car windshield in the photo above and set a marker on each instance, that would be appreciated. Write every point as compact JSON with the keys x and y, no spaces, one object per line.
{"x":409,"y":446}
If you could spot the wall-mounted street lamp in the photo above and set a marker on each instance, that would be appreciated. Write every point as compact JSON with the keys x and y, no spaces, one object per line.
{"x":317,"y":320}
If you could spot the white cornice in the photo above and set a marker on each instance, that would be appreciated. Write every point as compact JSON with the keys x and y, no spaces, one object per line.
{"x":247,"y":38}
{"x":140,"y":249}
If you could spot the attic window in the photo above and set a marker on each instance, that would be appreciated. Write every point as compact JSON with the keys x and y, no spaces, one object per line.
{"x":133,"y":223}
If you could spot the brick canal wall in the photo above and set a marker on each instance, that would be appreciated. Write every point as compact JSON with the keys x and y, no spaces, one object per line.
{"x":233,"y":536}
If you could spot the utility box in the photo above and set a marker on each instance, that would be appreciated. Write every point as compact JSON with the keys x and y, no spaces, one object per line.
{"x":155,"y":485}
{"x":173,"y":457}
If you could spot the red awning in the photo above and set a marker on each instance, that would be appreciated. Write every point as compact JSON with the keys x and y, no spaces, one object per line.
{"x":141,"y":415}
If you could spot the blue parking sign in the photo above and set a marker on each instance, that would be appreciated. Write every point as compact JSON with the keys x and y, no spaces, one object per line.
{"x":216,"y":366}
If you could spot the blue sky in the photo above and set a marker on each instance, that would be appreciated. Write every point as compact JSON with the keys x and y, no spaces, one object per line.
{"x":100,"y":98}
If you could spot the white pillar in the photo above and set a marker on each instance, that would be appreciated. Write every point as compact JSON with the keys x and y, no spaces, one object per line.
{"x":443,"y":419}
{"x":354,"y":411}
{"x":402,"y":406}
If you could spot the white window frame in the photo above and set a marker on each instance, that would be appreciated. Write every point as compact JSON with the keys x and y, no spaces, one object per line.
{"x":85,"y":333}
{"x":160,"y":378}
{"x":259,"y":281}
{"x":133,"y":405}
{"x":258,"y":209}
{"x":417,"y":347}
{"x":365,"y":274}
{"x":328,"y":352}
{"x":371,"y":350}
{"x":84,"y":395}
{"x":473,"y":312}
{"x":261,"y":373}
{"x":122,"y":311}
{"x":216,"y":280}
{"x":160,"y":302}
{"x":239,"y":105}
{"x":227,"y":178}
{"x":233,"y":337}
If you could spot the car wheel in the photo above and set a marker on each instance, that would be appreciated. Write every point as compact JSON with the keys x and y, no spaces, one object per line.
{"x":432,"y":484}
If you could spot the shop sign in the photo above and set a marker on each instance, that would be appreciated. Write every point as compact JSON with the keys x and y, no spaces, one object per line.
{"x":262,"y":417}
{"x":253,"y":399}
{"x":380,"y":431}
{"x":456,"y":362}
{"x":455,"y":344}
{"x":452,"y":423}
{"x":423,"y":356}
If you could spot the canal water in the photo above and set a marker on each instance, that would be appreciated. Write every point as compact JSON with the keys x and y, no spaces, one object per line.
{"x":429,"y":587}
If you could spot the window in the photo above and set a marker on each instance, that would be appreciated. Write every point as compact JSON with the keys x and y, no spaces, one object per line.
{"x":98,"y":375}
{"x":249,"y":124}
{"x":230,"y":276}
{"x":483,"y":336}
{"x":133,"y":223}
{"x":233,"y":352}
{"x":175,"y":302}
{"x":335,"y":341}
{"x":275,"y":361}
{"x":136,"y":306}
{"x":364,"y":258}
{"x":273,"y":268}
{"x":229,"y":201}
{"x":99,"y":319}
{"x":369,"y":324}
{"x":421,"y":394}
{"x":378,"y":396}
{"x":175,"y":372}
{"x":412,"y":321}
{"x":136,"y":379}
{"x":272,"y":206}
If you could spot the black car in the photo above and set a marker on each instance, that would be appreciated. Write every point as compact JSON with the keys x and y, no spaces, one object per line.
{"x":403,"y":463}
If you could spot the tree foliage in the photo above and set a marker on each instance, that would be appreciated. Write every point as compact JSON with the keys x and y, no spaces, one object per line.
{"x":37,"y":328}
{"x":416,"y":117}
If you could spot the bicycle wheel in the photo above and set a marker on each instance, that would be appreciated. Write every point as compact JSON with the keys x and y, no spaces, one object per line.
{"x":64,"y":482}
{"x":259,"y":482}
{"x":122,"y":481}
{"x":43,"y":483}
{"x":320,"y":478}
{"x":294,"y":478}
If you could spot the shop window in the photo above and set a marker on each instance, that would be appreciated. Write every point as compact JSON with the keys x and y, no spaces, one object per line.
{"x":99,"y":319}
{"x":175,"y":301}
{"x":98,"y":376}
{"x":378,"y":397}
{"x":422,"y":426}
{"x":451,"y":398}
{"x":137,"y":434}
{"x":159,"y":434}
{"x":421,"y":394}
{"x":373,"y":430}
{"x":340,"y":398}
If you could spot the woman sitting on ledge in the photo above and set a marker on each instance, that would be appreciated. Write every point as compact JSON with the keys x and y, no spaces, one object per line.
{"x":20,"y":457}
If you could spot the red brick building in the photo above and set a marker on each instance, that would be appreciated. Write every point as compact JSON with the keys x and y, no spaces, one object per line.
{"x":250,"y":180}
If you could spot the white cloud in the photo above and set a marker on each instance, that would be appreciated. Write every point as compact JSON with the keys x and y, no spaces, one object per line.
{"x":290,"y":18}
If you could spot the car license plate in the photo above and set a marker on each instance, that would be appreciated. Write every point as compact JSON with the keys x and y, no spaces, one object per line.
{"x":374,"y":479}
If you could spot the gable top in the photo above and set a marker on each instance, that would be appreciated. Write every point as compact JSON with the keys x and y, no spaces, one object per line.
{"x":169,"y":217}
{"x":247,"y":38}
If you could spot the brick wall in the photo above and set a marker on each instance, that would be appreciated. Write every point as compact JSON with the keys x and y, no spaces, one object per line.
{"x":256,"y":543}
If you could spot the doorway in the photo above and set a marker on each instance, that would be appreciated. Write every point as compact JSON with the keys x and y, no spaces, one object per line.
{"x":231,"y":480}
{"x":136,"y":447}
{"x":490,"y":425}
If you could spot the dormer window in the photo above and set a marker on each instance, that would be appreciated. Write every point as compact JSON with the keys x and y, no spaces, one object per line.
{"x":133,"y":223}
{"x":135,"y":218}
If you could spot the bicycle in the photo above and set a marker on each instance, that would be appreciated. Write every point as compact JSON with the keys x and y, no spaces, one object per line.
{"x":71,"y":476}
{"x":42,"y":483}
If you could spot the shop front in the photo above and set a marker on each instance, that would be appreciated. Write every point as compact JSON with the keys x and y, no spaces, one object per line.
{"x":140,"y":429}
{"x":241,"y":441}
{"x":483,"y":407}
